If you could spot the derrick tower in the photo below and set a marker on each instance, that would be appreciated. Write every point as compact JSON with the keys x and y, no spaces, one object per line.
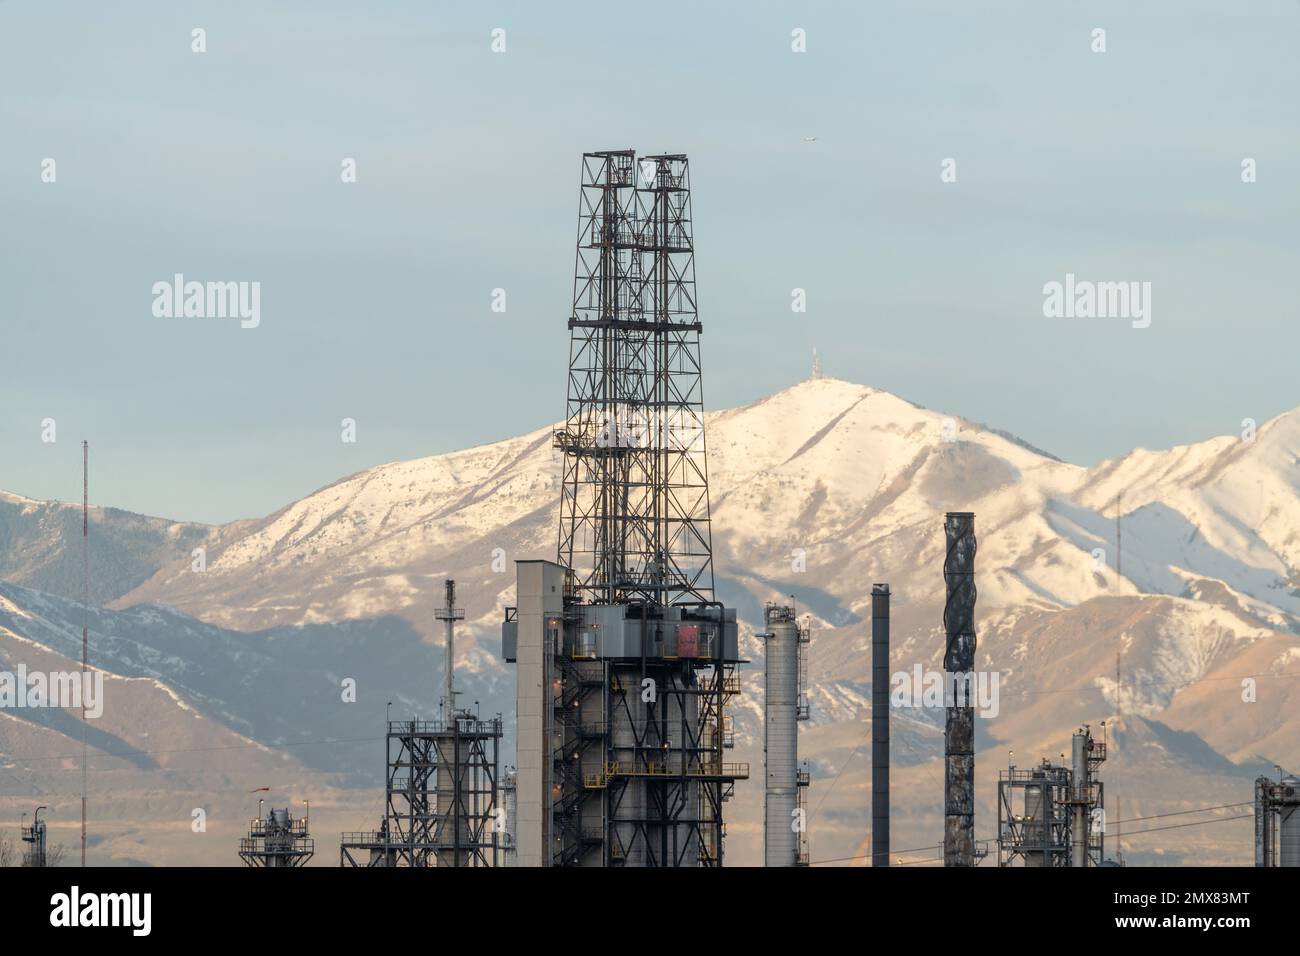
{"x":620,"y":762}
{"x":634,"y":519}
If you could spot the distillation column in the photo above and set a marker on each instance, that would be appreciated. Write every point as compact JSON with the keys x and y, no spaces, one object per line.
{"x":783,"y":711}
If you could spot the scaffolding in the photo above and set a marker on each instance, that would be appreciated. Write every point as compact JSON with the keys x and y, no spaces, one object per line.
{"x":277,"y":839}
{"x":634,"y":505}
{"x":621,"y":759}
{"x":441,"y":797}
{"x":1051,"y":815}
{"x":638,"y":781}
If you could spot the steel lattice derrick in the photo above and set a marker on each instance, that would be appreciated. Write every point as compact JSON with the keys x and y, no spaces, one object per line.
{"x":634,"y":502}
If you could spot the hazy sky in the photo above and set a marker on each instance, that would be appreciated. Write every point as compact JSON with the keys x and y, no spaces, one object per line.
{"x":375,"y":296}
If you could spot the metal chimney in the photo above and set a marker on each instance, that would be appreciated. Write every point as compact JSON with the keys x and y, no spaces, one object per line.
{"x":1081,"y":784}
{"x":880,"y":725}
{"x":958,"y":665}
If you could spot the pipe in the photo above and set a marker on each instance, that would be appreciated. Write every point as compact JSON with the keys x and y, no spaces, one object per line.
{"x":880,"y":725}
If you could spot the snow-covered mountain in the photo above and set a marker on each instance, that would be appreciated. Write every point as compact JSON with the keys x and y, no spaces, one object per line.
{"x":819,"y":491}
{"x":282,"y":687}
{"x":852,"y":480}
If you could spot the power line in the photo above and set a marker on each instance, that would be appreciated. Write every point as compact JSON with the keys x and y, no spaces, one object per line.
{"x":1179,"y":813}
{"x":867,"y":856}
{"x":124,"y":754}
{"x":1194,"y":823}
{"x":1155,"y":816}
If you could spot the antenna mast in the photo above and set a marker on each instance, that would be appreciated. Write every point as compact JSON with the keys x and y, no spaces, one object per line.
{"x":450,"y":614}
{"x":85,"y":624}
{"x":1119,"y":651}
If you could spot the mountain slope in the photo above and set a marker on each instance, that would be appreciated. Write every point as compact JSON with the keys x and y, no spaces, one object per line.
{"x":40,"y":546}
{"x":817,"y":492}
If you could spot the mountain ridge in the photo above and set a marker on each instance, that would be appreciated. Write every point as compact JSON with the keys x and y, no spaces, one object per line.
{"x":820,"y":490}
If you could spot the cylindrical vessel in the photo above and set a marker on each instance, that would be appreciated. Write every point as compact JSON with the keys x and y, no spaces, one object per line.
{"x":1035,"y":822}
{"x":1079,"y":784}
{"x":780,"y":738}
{"x":454,"y":774}
{"x":1289,"y":822}
{"x":628,"y":826}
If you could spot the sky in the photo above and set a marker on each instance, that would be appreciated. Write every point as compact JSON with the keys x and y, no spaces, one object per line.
{"x":820,"y":170}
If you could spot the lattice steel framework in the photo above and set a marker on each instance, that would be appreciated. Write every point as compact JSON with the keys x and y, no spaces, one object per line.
{"x":664,"y":781}
{"x":1036,"y":822}
{"x":441,"y":797}
{"x":634,"y":521}
{"x":639,"y":782}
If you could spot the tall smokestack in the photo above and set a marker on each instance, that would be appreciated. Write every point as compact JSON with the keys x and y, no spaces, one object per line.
{"x":1080,"y":806}
{"x":880,"y":725}
{"x":958,"y":665}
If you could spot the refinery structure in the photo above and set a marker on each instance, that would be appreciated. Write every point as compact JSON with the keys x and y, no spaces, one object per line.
{"x":443,"y":782}
{"x":785,"y":704}
{"x":1052,"y":815}
{"x":277,"y":839}
{"x":1277,"y":822}
{"x":625,"y":662}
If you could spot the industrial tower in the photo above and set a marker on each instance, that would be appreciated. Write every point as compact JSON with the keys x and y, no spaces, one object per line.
{"x":625,"y":662}
{"x":1050,"y":816}
{"x":784,"y":705}
{"x":959,"y":666}
{"x":1277,"y":822}
{"x":441,"y":797}
{"x":277,"y":840}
